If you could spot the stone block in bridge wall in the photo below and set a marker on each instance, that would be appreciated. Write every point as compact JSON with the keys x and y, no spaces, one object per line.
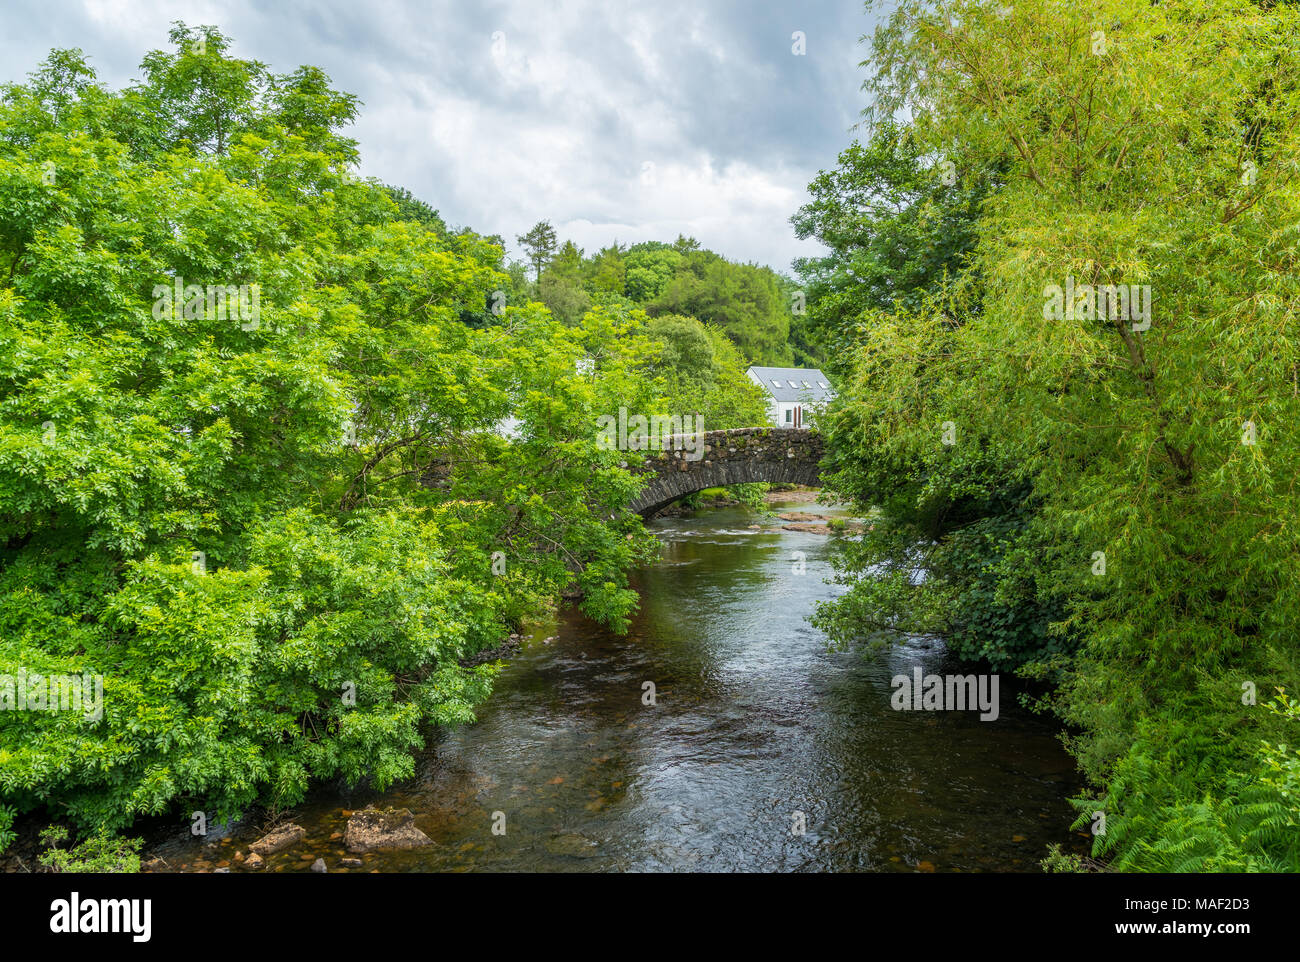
{"x":739,"y":456}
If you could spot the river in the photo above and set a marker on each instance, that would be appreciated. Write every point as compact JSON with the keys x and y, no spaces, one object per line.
{"x":763,"y":750}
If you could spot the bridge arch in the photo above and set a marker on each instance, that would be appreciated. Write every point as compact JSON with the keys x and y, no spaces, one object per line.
{"x":736,"y":456}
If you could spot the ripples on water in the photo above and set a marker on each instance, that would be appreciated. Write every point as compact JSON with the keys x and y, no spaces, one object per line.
{"x":755,"y":720}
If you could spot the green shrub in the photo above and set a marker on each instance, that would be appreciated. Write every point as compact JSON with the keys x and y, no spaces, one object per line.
{"x":274,"y":538}
{"x":99,"y":853}
{"x":7,"y":834}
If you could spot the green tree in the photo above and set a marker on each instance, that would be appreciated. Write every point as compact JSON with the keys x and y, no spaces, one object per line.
{"x":564,"y":298}
{"x":650,"y":266}
{"x":607,"y":271}
{"x":267,"y":526}
{"x":687,"y":350}
{"x":685,"y":245}
{"x":198,"y":94}
{"x":1131,"y":152}
{"x":539,"y":244}
{"x":411,"y":208}
{"x":567,"y":264}
{"x":704,"y":373}
{"x":895,"y":230}
{"x":744,"y":300}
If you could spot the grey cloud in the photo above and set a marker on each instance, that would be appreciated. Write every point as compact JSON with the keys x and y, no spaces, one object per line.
{"x":562,"y":124}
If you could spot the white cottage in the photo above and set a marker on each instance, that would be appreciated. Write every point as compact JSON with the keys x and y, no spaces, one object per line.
{"x":792,"y":392}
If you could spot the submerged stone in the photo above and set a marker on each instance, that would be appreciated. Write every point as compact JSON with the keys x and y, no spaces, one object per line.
{"x":390,"y":828}
{"x":279,"y":839}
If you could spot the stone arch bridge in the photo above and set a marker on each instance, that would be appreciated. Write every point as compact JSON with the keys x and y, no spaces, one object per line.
{"x":737,"y":456}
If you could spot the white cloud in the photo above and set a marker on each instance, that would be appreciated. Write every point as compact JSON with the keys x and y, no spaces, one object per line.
{"x":504,"y":114}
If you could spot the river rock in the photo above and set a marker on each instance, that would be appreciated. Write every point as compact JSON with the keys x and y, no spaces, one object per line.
{"x":319,"y":865}
{"x":254,"y":862}
{"x":808,"y":527}
{"x":507,"y":649}
{"x":389,"y":828}
{"x":572,"y":844}
{"x":279,"y":840}
{"x":350,"y":862}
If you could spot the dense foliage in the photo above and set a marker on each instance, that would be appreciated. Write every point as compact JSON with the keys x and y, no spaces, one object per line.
{"x":278,"y":522}
{"x":894,"y":232}
{"x":760,"y":311}
{"x":1104,"y":500}
{"x":281,"y":452}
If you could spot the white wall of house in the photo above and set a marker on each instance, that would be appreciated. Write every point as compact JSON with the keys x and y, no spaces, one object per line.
{"x":783,"y":413}
{"x":774,"y":408}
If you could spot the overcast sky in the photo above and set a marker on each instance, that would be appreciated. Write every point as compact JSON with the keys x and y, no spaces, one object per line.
{"x":613,"y":120}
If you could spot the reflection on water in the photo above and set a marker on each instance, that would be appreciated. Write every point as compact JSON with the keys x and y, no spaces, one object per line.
{"x":754,"y":722}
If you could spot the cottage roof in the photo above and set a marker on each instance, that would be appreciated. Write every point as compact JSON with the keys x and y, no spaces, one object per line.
{"x":806,"y":384}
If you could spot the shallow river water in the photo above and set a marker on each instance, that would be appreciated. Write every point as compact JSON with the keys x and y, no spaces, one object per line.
{"x":754,"y":722}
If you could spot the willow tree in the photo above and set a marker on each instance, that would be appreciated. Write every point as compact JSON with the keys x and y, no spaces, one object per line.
{"x":1132,"y":350}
